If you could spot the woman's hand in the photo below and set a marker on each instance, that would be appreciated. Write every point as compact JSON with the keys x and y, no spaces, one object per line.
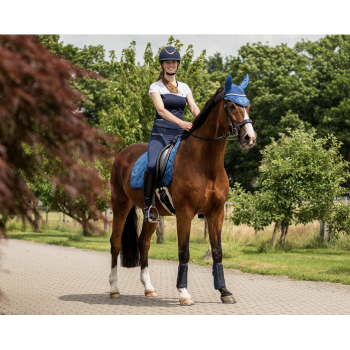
{"x":185,"y":125}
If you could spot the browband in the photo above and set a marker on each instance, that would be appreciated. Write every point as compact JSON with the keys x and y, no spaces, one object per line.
{"x":234,"y":95}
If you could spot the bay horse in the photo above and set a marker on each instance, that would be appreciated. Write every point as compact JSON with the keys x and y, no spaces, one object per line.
{"x":200,"y":185}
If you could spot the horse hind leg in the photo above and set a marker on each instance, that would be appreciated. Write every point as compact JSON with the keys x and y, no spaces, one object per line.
{"x":144,"y":245}
{"x":123,"y":223}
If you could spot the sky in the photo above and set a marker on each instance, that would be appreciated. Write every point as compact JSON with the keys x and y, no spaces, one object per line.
{"x":225,"y":44}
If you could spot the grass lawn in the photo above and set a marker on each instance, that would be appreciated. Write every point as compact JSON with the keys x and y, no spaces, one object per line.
{"x":242,"y":249}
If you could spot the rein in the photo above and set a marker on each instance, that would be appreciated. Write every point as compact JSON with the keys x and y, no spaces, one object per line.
{"x":233,"y":127}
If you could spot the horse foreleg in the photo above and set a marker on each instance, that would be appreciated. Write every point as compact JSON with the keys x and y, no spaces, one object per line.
{"x":183,"y":234}
{"x":119,"y":217}
{"x":144,"y":245}
{"x":215,"y":222}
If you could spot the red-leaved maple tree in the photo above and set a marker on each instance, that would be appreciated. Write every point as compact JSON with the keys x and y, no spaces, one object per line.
{"x":39,"y":114}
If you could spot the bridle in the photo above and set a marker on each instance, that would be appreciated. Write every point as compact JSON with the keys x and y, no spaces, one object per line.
{"x":233,"y":127}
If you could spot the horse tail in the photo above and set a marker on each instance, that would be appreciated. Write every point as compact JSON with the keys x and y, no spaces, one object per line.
{"x":130,"y":241}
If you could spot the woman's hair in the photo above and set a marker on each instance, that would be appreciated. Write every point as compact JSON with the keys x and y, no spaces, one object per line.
{"x":173,"y":89}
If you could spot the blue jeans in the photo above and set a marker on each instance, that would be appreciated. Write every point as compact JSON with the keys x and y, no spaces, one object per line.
{"x":163,"y":132}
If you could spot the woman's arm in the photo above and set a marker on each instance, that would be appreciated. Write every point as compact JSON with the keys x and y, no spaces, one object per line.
{"x":192,"y":105}
{"x":158,"y":103}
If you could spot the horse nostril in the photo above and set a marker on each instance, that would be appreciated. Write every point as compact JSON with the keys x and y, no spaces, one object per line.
{"x":246,"y":137}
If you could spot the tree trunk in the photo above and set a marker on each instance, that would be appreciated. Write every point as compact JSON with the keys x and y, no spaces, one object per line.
{"x":108,"y":217}
{"x":160,"y":231}
{"x":36,"y":215}
{"x":256,"y":230}
{"x":37,"y":222}
{"x":275,"y":234}
{"x":324,"y":232}
{"x":24,"y":224}
{"x":47,"y":215}
{"x":64,"y":217}
{"x":205,"y":228}
{"x":284,"y":234}
{"x":86,"y":232}
{"x":226,"y":211}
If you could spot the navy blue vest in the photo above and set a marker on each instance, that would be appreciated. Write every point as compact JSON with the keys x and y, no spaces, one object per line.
{"x":174,"y":104}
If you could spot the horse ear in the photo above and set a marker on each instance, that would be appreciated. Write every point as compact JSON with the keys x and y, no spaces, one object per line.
{"x":228,"y":83}
{"x":245,"y":82}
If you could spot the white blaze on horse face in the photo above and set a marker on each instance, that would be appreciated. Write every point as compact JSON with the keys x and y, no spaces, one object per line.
{"x":113,"y":280}
{"x":249,"y":127}
{"x":146,"y":280}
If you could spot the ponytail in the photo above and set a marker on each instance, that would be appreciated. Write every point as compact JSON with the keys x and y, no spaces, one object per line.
{"x":173,"y":89}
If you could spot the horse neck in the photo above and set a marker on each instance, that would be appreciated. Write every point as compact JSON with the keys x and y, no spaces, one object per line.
{"x":209,"y":154}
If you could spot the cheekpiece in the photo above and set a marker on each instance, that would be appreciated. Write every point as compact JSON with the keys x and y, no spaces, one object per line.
{"x":236,"y":93}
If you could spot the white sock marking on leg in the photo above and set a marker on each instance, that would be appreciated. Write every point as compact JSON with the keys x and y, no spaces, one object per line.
{"x":146,"y":280}
{"x":113,"y":280}
{"x":183,"y":293}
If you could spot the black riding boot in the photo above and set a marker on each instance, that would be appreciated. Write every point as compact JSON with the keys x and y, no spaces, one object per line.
{"x":148,"y":192}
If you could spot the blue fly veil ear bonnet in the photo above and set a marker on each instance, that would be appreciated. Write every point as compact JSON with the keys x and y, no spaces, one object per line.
{"x":236,"y":93}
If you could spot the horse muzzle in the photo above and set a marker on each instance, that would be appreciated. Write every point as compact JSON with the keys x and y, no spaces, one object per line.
{"x":248,"y":141}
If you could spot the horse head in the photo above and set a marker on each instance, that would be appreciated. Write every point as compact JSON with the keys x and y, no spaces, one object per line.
{"x":236,"y":106}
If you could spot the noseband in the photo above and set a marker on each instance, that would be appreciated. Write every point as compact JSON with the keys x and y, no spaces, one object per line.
{"x":233,"y":127}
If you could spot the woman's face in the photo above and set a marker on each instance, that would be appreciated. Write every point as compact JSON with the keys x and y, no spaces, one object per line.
{"x":170,"y":66}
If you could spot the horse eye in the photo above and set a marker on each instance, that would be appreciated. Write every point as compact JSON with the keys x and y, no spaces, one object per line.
{"x":232,"y":106}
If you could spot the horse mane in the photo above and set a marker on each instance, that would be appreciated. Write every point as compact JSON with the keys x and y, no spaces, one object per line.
{"x":204,"y":113}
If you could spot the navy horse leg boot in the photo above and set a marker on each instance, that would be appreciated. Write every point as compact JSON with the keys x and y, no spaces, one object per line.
{"x":148,"y":193}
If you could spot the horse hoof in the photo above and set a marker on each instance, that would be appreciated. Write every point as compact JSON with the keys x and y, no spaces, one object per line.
{"x":114,"y":295}
{"x":228,"y":299}
{"x":186,"y":301}
{"x":151,"y":293}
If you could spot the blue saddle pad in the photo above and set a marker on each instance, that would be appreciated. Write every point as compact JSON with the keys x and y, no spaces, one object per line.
{"x":138,"y":171}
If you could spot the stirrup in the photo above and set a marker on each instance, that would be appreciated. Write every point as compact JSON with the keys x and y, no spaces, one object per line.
{"x":149,"y":209}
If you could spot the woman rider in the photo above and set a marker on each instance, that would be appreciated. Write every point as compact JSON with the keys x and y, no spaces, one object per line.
{"x":169,"y":97}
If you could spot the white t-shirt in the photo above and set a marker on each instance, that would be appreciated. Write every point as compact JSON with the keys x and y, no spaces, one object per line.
{"x":161,"y":89}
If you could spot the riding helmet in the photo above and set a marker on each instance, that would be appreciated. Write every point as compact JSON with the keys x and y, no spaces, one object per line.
{"x":169,"y":53}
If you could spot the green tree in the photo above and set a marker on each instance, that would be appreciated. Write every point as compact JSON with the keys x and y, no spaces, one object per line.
{"x":303,"y":173}
{"x":56,"y":198}
{"x":338,"y":220}
{"x":250,"y":209}
{"x":300,"y":176}
{"x":328,"y":65}
{"x":98,"y":94}
{"x":214,"y":63}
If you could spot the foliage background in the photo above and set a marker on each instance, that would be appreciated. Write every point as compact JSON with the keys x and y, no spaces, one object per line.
{"x":307,"y":84}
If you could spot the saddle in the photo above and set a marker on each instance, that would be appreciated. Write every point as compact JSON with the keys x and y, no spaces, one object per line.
{"x":162,"y":192}
{"x":163,"y":159}
{"x":164,"y":173}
